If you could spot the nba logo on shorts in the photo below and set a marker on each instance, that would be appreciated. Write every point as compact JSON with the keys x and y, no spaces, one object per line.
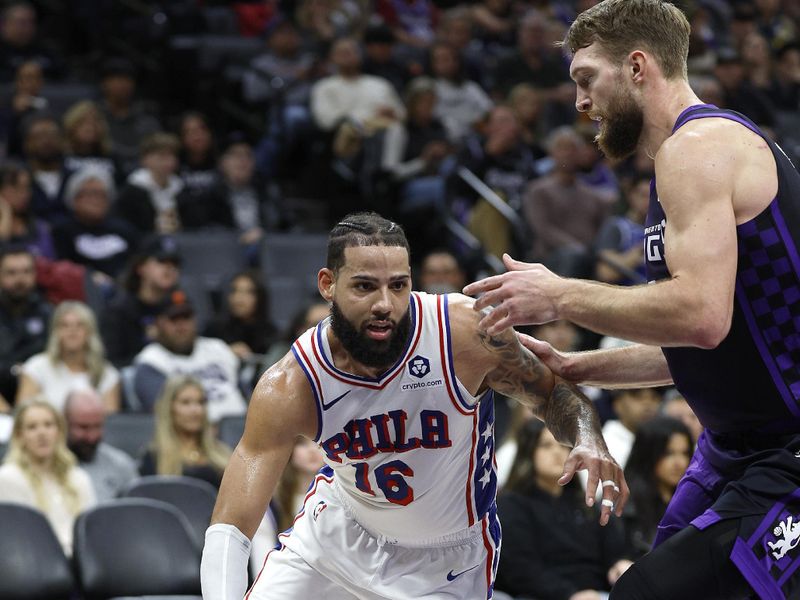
{"x":321,"y":505}
{"x":419,"y":366}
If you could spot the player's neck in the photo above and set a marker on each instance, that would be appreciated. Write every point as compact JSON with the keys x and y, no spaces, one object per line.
{"x":670,"y":99}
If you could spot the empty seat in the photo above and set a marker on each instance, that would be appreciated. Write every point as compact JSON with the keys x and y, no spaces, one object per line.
{"x":217,"y":51}
{"x":130,"y":432}
{"x":221,"y":20}
{"x":32,"y":563}
{"x":193,"y":497}
{"x":199,"y":293}
{"x":210,"y":256}
{"x":135,"y":547}
{"x":230,"y":430}
{"x":286,"y":296}
{"x":297,"y":255}
{"x":63,"y":95}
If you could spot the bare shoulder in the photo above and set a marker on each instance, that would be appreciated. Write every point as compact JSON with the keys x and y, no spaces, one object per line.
{"x":282,"y":403}
{"x":711,"y":144}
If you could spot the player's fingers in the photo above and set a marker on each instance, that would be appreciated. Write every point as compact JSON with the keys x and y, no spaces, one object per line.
{"x":591,"y":484}
{"x":483,"y":285}
{"x":487,"y":300}
{"x":490,"y":320}
{"x":570,"y":466}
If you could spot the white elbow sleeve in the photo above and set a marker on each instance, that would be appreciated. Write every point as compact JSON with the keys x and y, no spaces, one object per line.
{"x":223,"y":570}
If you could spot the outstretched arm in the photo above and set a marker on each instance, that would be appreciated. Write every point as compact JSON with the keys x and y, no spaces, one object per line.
{"x":511,"y":369}
{"x":634,"y":366}
{"x":281,"y":409}
{"x":692,"y":308}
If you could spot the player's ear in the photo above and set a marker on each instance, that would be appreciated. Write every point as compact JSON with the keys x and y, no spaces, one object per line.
{"x":637,"y":64}
{"x":326,"y":281}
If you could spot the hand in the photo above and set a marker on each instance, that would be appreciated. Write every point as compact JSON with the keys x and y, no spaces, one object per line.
{"x":557,"y":362}
{"x":585,"y":595}
{"x":241,"y":350}
{"x":617,"y":569}
{"x":387,"y":112}
{"x":435,"y":150}
{"x":592,"y":455}
{"x":525,"y":295}
{"x":251,"y":236}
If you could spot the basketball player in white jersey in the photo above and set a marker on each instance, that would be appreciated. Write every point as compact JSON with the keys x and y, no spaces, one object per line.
{"x":396,"y":387}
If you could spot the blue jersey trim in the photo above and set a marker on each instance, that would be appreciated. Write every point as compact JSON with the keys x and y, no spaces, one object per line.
{"x":317,"y":399}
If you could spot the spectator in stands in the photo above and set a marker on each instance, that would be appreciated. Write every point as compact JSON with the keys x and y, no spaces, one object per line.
{"x":349,"y":95}
{"x":381,"y":60}
{"x":244,"y":202}
{"x":111,"y":470}
{"x":198,"y":159}
{"x":785,"y":90}
{"x":774,"y":24}
{"x":40,"y":472}
{"x":658,"y":460}
{"x":414,"y":156}
{"x":676,"y":406}
{"x":534,"y":62}
{"x":441,"y":273}
{"x":23,"y":318}
{"x":43,"y":143}
{"x":26,"y":99}
{"x":460,"y":103}
{"x":506,"y":165}
{"x":74,"y":359}
{"x":89,"y":139}
{"x":128,"y":322}
{"x":297,"y":476}
{"x":244,"y":323}
{"x":283,"y":72}
{"x":632,"y":408}
{"x":455,"y":30}
{"x":528,"y":104}
{"x":494,"y":22}
{"x":18,"y":225}
{"x":327,"y":20}
{"x":129,"y":123}
{"x":738,"y":93}
{"x":19,"y":41}
{"x":621,"y":237}
{"x":179,"y":350}
{"x":151,"y":200}
{"x":413,"y":22}
{"x":564,"y":213}
{"x":757,"y":61}
{"x":553,"y":546}
{"x":90,"y":236}
{"x":184,"y":442}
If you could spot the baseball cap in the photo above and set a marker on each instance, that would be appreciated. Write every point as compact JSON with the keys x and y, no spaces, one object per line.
{"x":161,"y":247}
{"x":176,"y":304}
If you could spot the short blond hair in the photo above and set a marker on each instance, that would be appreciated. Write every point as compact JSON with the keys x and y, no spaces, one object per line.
{"x":620,"y":26}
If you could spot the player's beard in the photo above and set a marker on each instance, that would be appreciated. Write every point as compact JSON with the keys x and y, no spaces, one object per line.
{"x":369,"y":352}
{"x":621,"y":127}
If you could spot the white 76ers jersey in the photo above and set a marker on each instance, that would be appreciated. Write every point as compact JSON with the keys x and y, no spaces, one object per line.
{"x":412,"y":452}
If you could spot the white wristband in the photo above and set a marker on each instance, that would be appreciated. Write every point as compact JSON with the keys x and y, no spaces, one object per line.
{"x":223,"y":569}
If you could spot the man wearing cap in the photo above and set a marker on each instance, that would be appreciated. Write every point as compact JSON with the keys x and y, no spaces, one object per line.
{"x":128,"y":323}
{"x":179,"y":350}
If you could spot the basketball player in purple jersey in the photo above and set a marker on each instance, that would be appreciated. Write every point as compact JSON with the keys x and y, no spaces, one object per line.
{"x":396,"y":388}
{"x":720,"y":318}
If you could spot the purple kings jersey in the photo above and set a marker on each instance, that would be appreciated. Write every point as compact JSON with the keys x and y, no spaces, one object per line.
{"x":751,"y":381}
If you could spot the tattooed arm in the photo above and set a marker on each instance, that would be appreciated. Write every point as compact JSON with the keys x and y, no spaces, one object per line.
{"x":511,"y":369}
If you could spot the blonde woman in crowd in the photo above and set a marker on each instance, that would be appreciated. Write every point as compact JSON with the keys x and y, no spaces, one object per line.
{"x":40,"y":472}
{"x":184,"y":442}
{"x":88,"y":138}
{"x":74,"y":359}
{"x":305,"y":462}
